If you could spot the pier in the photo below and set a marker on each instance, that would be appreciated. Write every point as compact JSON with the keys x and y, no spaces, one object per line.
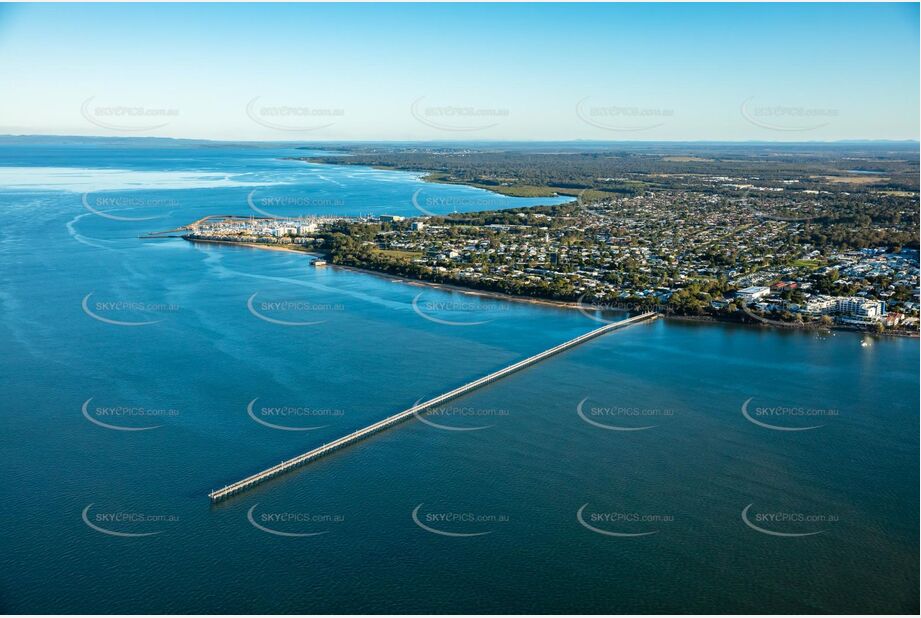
{"x":361,"y":434}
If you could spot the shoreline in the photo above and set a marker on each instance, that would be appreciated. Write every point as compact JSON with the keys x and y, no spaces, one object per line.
{"x":416,"y":282}
{"x":559,"y":304}
{"x":432,"y":177}
{"x":252,"y":245}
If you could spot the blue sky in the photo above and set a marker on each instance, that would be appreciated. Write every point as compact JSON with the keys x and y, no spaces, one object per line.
{"x":473,"y":72}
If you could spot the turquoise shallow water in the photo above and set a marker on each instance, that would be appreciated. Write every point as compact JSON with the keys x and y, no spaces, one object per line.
{"x":516,"y":476}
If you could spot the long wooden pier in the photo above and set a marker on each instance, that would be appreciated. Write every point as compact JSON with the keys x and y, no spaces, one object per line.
{"x":255,"y":479}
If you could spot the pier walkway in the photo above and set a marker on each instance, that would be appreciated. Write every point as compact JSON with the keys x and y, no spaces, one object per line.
{"x":255,"y":479}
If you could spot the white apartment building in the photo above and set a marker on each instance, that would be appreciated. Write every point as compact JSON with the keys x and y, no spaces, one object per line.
{"x":863,"y":309}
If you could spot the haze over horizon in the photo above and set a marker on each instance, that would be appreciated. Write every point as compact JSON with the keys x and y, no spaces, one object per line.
{"x":456,"y":141}
{"x":471,"y":73}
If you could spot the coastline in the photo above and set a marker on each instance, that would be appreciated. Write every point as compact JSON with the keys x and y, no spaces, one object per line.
{"x":416,"y":282}
{"x":436,"y":177}
{"x":559,"y":304}
{"x":252,"y":245}
{"x":449,"y":287}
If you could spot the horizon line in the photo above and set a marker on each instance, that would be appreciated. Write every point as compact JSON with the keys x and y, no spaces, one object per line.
{"x":908,"y":140}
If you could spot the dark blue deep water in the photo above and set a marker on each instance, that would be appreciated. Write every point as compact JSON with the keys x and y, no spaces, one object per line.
{"x":536,"y":499}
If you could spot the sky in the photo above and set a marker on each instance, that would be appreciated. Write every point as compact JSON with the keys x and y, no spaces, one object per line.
{"x":473,"y":72}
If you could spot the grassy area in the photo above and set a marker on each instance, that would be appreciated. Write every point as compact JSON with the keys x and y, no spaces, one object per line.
{"x":510,"y":190}
{"x":813,"y":264}
{"x":521,"y":190}
{"x":399,"y":255}
{"x":517,"y":190}
{"x":855,"y":180}
{"x":898,"y":193}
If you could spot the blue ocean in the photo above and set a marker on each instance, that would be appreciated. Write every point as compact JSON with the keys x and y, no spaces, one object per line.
{"x":670,"y":467}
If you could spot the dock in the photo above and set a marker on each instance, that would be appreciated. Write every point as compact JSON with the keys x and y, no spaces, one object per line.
{"x":356,"y":436}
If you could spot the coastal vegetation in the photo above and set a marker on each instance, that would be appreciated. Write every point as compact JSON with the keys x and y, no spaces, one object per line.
{"x":681,"y":231}
{"x":626,"y":169}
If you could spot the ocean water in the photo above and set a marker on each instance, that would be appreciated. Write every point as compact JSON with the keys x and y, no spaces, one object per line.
{"x":622,"y":476}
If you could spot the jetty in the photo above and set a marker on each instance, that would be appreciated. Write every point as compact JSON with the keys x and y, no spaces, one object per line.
{"x":390,"y":421}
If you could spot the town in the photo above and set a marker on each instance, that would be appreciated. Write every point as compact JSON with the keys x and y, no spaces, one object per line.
{"x":686,"y":253}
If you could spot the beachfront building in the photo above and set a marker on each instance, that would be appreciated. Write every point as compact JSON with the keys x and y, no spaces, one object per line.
{"x":849,"y":309}
{"x":861,"y":308}
{"x":820,"y":305}
{"x":751,"y":294}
